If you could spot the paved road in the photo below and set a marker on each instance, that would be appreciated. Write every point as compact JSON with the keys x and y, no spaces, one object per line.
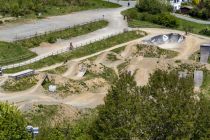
{"x":188,"y":18}
{"x":13,"y":31}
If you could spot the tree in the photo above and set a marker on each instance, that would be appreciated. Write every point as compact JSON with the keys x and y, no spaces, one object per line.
{"x":116,"y":118}
{"x":12,"y":123}
{"x":196,"y":2}
{"x":167,"y":108}
{"x":171,"y":110}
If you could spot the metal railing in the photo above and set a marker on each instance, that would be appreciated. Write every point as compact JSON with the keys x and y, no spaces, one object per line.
{"x":60,"y":51}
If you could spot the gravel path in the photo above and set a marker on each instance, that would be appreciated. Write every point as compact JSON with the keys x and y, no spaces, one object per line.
{"x":188,"y":18}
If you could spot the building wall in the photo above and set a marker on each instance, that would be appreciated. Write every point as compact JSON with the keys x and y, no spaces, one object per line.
{"x":177,"y":4}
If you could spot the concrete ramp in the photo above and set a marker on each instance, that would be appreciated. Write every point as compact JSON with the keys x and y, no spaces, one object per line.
{"x":81,"y":72}
{"x":165,"y":38}
{"x":204,"y":52}
{"x":198,"y":78}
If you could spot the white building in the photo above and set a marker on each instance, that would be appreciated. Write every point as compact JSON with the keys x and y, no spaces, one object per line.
{"x":177,"y":4}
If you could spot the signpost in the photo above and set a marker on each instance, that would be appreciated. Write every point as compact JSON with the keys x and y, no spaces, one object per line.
{"x":33,"y":130}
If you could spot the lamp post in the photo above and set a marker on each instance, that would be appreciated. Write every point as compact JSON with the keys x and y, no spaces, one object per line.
{"x":33,"y":130}
{"x":1,"y":71}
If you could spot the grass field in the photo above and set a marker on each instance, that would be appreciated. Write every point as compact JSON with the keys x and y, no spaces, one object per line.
{"x":52,"y":9}
{"x":91,"y":4}
{"x":19,"y":51}
{"x":12,"y":52}
{"x":80,"y":52}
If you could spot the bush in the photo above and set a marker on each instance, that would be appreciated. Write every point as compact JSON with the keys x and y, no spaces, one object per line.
{"x":52,"y":39}
{"x":167,"y":20}
{"x":148,"y":17}
{"x":12,"y":123}
{"x":202,"y":14}
{"x":205,"y":32}
{"x":164,"y":19}
{"x":153,"y":6}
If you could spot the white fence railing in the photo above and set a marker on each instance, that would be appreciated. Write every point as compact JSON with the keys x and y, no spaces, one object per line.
{"x":60,"y":51}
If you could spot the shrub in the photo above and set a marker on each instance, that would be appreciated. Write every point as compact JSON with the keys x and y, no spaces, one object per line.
{"x":205,"y":31}
{"x":153,"y":6}
{"x":148,"y":17}
{"x":52,"y":39}
{"x":167,"y":20}
{"x":202,"y":14}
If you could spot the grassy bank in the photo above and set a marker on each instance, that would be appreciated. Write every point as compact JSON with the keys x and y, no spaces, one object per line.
{"x":40,"y":9}
{"x":82,"y":51}
{"x":65,"y":34}
{"x":135,"y":20}
{"x":13,"y":52}
{"x":19,"y":51}
{"x":19,"y":85}
{"x":156,"y":52}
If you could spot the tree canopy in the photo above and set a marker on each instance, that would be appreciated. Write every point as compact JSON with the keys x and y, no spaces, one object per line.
{"x":167,"y":108}
{"x":12,"y":123}
{"x":153,"y":6}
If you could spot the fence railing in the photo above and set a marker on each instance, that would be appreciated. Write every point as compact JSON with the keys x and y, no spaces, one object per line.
{"x":23,"y":37}
{"x":19,"y":38}
{"x":60,"y":51}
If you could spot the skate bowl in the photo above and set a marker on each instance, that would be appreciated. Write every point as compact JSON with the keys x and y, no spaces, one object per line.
{"x":172,"y":38}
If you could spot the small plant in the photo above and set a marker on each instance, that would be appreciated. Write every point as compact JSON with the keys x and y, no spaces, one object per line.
{"x":52,"y":40}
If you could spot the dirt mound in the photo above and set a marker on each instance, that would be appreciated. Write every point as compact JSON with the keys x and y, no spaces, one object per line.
{"x":73,"y":68}
{"x":65,"y":112}
{"x":53,"y":114}
{"x":129,"y":51}
{"x":190,"y":46}
{"x":96,"y":84}
{"x":101,"y":58}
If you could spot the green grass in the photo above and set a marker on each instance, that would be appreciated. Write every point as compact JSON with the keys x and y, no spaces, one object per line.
{"x":91,"y":4}
{"x":108,"y":74}
{"x":142,"y":24}
{"x":19,"y":85}
{"x":119,"y":50}
{"x":80,"y":52}
{"x":112,"y":57}
{"x":154,"y":51}
{"x":134,"y":21}
{"x":58,"y":70}
{"x":19,"y":51}
{"x":57,"y":9}
{"x":122,"y":66}
{"x":11,"y":52}
{"x":41,"y":115}
{"x":206,"y":83}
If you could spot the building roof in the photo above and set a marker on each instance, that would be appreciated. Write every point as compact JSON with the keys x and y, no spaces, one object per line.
{"x":188,"y":7}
